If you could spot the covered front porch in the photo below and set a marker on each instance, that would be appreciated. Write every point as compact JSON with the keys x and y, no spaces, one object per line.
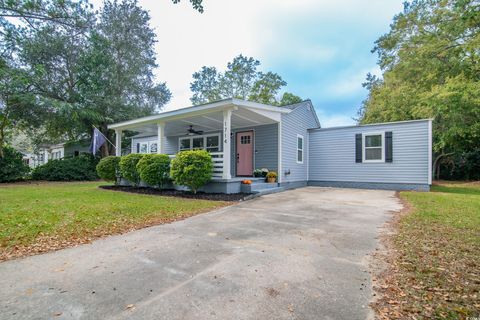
{"x":241,"y":136}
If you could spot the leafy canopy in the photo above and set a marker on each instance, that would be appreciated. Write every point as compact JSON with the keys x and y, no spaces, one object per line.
{"x":430,"y":60}
{"x":65,"y":67}
{"x":241,"y":80}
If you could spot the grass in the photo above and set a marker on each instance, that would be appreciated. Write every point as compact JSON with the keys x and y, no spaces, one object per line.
{"x":47,"y":216}
{"x":435,"y":272}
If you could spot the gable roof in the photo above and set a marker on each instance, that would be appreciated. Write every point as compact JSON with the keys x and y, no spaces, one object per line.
{"x":304,"y":103}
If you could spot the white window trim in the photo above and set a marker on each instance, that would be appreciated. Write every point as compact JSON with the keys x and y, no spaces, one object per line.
{"x":204,"y":136}
{"x":150,"y":145}
{"x":364,"y":146}
{"x":297,"y":149}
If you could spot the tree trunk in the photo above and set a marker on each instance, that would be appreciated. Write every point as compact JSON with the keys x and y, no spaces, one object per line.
{"x":436,"y":164}
{"x":2,"y":135}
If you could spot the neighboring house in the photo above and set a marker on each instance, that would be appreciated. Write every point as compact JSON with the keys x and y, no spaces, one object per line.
{"x":47,"y":152}
{"x":243,"y":136}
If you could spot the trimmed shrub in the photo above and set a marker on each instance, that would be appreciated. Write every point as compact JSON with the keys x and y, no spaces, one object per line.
{"x":128,"y":167}
{"x":192,"y":169}
{"x":109,"y":168}
{"x":12,"y":167}
{"x":154,"y":169}
{"x":79,"y":168}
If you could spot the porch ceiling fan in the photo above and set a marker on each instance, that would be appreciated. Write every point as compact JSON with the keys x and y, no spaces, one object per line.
{"x":191,"y":131}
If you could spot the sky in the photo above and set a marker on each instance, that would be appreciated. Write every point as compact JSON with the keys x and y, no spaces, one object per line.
{"x":321,"y":48}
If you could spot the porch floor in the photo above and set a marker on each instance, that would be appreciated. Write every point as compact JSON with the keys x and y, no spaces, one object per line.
{"x":237,"y":179}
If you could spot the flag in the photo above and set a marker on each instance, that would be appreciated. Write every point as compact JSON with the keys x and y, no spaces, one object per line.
{"x":98,"y":139}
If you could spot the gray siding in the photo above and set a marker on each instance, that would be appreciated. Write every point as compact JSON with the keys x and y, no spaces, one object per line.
{"x":296,"y":122}
{"x":332,"y":155}
{"x":265,"y":148}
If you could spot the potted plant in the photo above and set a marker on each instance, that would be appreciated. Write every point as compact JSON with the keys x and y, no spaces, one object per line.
{"x":264,"y":172}
{"x":257,"y":173}
{"x":271,"y":177}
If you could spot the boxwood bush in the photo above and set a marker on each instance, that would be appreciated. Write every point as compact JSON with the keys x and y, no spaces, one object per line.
{"x":154,"y":169}
{"x":68,"y":169}
{"x":192,"y":169}
{"x":128,"y":168}
{"x":109,"y":168}
{"x":12,"y":167}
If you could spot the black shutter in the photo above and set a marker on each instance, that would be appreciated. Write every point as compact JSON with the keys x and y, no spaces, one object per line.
{"x":358,"y":148}
{"x":138,"y":147}
{"x":388,"y":147}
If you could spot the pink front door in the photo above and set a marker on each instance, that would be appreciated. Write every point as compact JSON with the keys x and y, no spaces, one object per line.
{"x":244,"y":153}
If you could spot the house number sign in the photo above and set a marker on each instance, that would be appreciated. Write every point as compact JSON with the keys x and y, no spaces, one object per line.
{"x":225,"y":127}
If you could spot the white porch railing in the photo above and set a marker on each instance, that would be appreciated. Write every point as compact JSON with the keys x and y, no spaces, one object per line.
{"x":217,"y":158}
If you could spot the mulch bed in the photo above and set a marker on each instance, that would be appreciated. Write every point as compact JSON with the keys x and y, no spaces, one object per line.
{"x":182,"y":194}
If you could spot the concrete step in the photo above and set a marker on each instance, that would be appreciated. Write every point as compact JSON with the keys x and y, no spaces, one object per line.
{"x":263,"y":192}
{"x":258,"y":186}
{"x":263,"y":185}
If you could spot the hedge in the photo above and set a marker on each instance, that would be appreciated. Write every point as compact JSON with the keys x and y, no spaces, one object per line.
{"x":68,"y":169}
{"x":109,"y":168}
{"x":12,"y":167}
{"x":154,"y":169}
{"x":192,"y":169}
{"x":128,"y":167}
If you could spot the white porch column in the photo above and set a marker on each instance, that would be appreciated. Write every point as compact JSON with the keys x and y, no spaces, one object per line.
{"x":118,"y":142}
{"x":160,"y":134}
{"x":227,"y":129}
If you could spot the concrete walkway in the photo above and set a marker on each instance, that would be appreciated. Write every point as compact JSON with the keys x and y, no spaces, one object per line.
{"x":299,"y":254}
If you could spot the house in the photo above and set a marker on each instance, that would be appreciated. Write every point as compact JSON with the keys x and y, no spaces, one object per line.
{"x":242,"y":136}
{"x":47,"y":152}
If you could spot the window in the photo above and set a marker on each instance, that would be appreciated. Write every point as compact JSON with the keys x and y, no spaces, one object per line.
{"x":197,"y":143}
{"x":373,"y":147}
{"x":210,"y":142}
{"x":143,"y":147}
{"x":245,"y":139}
{"x":299,"y":148}
{"x":153,"y":147}
{"x":213,"y":144}
{"x":184,"y":144}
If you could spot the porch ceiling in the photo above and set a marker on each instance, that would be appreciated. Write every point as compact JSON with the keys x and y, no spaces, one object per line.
{"x":209,"y":122}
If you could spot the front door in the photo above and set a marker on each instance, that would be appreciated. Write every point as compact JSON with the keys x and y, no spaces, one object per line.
{"x":244,"y":155}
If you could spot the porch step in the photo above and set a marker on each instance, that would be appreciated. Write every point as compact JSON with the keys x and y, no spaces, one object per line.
{"x":257,"y":186}
{"x":265,"y":192}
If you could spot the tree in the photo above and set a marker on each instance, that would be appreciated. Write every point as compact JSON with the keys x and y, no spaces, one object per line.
{"x":241,"y":80}
{"x":206,"y":86}
{"x":117,"y":69}
{"x":82,"y":68}
{"x":266,"y":87}
{"x":431,"y":69}
{"x":289,"y":98}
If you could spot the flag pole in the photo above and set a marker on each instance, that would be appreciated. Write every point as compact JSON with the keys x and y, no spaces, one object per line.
{"x":105,"y":137}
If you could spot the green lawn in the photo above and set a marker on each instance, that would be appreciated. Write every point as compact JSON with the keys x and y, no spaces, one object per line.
{"x":45,"y":216}
{"x":438,"y":261}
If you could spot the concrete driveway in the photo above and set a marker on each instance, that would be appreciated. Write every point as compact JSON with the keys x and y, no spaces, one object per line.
{"x":300,"y":254}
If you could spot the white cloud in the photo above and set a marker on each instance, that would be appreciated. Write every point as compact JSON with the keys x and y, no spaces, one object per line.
{"x":188,"y":40}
